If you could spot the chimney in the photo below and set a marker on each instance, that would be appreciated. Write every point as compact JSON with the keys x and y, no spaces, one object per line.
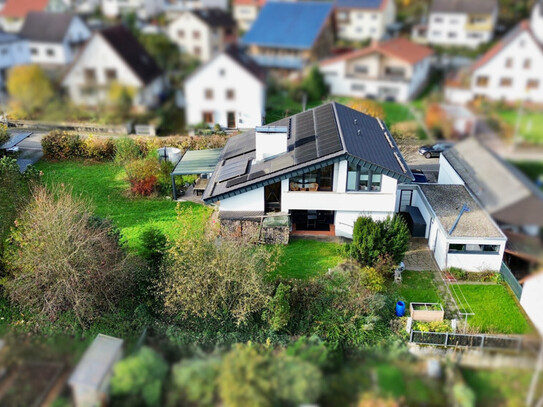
{"x":270,"y":141}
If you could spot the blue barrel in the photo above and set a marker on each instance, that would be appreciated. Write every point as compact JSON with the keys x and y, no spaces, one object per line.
{"x":400,"y":309}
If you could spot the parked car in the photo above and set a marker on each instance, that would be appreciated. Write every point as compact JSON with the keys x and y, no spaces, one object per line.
{"x":420,"y":178}
{"x":435,"y":150}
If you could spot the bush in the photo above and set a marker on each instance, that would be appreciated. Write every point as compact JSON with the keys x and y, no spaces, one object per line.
{"x":61,"y":145}
{"x":99,"y":149}
{"x":278,"y":312}
{"x":4,"y":134}
{"x":196,"y":380}
{"x":314,"y":85}
{"x":142,"y":175}
{"x":139,"y":378}
{"x":126,"y":150}
{"x":154,"y":245}
{"x":372,"y":279}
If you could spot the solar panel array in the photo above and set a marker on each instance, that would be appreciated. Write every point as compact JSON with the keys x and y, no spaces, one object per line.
{"x":232,"y":169}
{"x":328,"y":140}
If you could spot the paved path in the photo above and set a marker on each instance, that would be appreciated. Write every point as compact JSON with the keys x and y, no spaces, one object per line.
{"x":30,"y":151}
{"x":419,"y":257}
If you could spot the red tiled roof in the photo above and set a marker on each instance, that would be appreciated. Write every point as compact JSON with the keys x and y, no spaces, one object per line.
{"x":503,"y":43}
{"x":20,"y":8}
{"x":400,"y":48}
{"x":259,"y":3}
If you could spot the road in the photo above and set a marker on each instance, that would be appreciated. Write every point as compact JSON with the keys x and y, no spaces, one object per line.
{"x":30,"y":150}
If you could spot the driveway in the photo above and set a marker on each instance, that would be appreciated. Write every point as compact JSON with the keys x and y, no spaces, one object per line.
{"x":30,"y":150}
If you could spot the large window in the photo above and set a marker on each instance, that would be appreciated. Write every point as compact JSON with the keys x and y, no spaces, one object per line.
{"x":316,"y":180}
{"x":362,"y":179}
{"x":474,"y":248}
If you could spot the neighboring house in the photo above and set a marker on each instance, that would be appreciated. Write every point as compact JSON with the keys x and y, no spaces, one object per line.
{"x":54,"y":38}
{"x":324,"y":168}
{"x":463,"y":23}
{"x":114,"y":56}
{"x":392,"y":70}
{"x":229,"y":90}
{"x":145,"y":9}
{"x":173,"y":8}
{"x":13,"y":51}
{"x":513,"y":201}
{"x":245,"y":12}
{"x":14,"y":12}
{"x":358,"y":20}
{"x":203,"y":33}
{"x":532,"y":300}
{"x":289,"y":36}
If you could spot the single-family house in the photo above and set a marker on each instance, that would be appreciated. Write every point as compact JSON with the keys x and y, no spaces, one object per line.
{"x":245,"y":12}
{"x":145,"y":9}
{"x":173,"y":8}
{"x":461,"y":23}
{"x":396,"y":70}
{"x":323,"y":168}
{"x":359,"y":20}
{"x":513,"y":201}
{"x":54,"y":38}
{"x":14,"y":12}
{"x":288,"y":36}
{"x":532,"y":300}
{"x":114,"y":56}
{"x":229,"y":90}
{"x":203,"y":33}
{"x":13,"y":51}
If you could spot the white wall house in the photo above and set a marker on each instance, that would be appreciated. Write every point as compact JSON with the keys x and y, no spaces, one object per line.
{"x":174,"y":8}
{"x":532,"y":300}
{"x":392,"y":70}
{"x":14,"y":12}
{"x":245,"y":12}
{"x":229,"y":90}
{"x":54,"y":38}
{"x":304,"y":167}
{"x":145,"y":9}
{"x":464,"y":23}
{"x":203,"y":33}
{"x":114,"y":56}
{"x":364,"y":19}
{"x":13,"y":51}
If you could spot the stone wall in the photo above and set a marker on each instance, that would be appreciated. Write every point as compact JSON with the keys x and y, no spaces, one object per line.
{"x":250,"y":229}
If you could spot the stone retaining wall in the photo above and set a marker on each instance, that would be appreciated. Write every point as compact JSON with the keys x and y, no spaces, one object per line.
{"x":250,"y":229}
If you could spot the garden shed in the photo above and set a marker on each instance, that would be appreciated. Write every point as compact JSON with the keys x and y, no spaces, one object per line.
{"x":90,"y":380}
{"x":196,"y":162}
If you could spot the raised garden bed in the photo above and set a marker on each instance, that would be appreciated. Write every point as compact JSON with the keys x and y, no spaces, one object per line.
{"x":426,"y":311}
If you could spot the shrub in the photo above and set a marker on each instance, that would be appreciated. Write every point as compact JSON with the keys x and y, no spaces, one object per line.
{"x":373,"y":280}
{"x":60,"y":145}
{"x":164,"y":179}
{"x":278,"y":312}
{"x":4,"y":134}
{"x":139,"y":378}
{"x":196,"y":380}
{"x":99,"y":149}
{"x":126,"y":150}
{"x":154,"y":245}
{"x":60,"y":258}
{"x":143,"y":175}
{"x":314,"y":85}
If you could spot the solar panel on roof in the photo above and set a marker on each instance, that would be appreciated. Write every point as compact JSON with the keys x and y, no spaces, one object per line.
{"x":280,"y":163}
{"x":305,"y":153}
{"x":236,"y":181}
{"x":233,"y":169}
{"x":304,"y":125}
{"x":328,"y":140}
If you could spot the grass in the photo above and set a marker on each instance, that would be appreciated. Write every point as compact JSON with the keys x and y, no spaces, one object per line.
{"x":417,"y":286}
{"x":105,"y":186}
{"x":304,"y":259}
{"x":532,"y":169}
{"x":495,"y":309}
{"x":531,"y":124}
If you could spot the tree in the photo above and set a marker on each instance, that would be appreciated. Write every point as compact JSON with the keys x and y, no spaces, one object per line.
{"x":253,"y":375}
{"x":314,"y":84}
{"x":139,"y":378}
{"x":29,"y":88}
{"x":60,"y":258}
{"x":369,"y":107}
{"x":121,"y":97}
{"x":4,"y":134}
{"x":196,"y":379}
{"x":204,"y":277}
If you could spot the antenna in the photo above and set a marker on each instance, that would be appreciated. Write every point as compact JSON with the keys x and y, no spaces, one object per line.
{"x":465,"y":208}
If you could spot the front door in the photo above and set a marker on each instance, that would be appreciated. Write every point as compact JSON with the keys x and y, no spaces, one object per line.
{"x":231,"y":118}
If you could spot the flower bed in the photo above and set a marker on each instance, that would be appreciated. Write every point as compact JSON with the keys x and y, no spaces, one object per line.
{"x":426,"y":311}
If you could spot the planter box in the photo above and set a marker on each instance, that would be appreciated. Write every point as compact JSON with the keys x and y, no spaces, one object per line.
{"x":426,"y":312}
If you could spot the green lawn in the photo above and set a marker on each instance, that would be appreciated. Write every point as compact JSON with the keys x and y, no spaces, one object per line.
{"x":532,"y":169}
{"x":308,"y":258}
{"x":417,"y":286}
{"x":105,"y":186}
{"x":495,"y":308}
{"x":531,"y":124}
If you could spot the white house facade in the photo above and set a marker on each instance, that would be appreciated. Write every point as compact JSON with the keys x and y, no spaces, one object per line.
{"x":203,"y":33}
{"x":463,"y":23}
{"x":364,"y":19}
{"x":54,"y":38}
{"x":145,"y":9}
{"x":106,"y":60}
{"x":245,"y":12}
{"x":230,"y":90}
{"x":532,"y":300}
{"x":392,"y":70}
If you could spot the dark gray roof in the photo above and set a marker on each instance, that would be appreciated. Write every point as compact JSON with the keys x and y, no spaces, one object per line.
{"x":317,"y":138}
{"x":44,"y":26}
{"x":215,"y":17}
{"x":238,"y":55}
{"x":447,"y":201}
{"x":464,"y":6}
{"x":507,"y":194}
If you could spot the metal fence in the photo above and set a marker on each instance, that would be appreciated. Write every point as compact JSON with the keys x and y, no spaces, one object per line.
{"x":489,"y":342}
{"x":511,"y":280}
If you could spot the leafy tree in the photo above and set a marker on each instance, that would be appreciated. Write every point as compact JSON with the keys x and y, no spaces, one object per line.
{"x":139,"y":378}
{"x":61,"y":258}
{"x":121,"y":97}
{"x":369,"y":107}
{"x":207,"y":278}
{"x":255,"y":376}
{"x":165,"y":52}
{"x":4,"y":134}
{"x":314,"y":84}
{"x":196,"y":379}
{"x":154,"y":244}
{"x":278,"y":312}
{"x":30,"y":89}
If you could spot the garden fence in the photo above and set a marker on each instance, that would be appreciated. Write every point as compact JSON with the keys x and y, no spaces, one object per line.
{"x":489,"y":342}
{"x":511,"y":280}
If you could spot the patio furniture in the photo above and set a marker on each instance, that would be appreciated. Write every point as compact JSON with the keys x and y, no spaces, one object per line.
{"x":200,"y":186}
{"x":313,"y":187}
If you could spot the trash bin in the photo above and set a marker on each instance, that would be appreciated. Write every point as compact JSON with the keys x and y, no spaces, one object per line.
{"x":400,"y":309}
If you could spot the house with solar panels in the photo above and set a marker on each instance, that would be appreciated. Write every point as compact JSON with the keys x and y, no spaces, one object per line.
{"x":288,"y":36}
{"x":359,"y":20}
{"x":323,"y":168}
